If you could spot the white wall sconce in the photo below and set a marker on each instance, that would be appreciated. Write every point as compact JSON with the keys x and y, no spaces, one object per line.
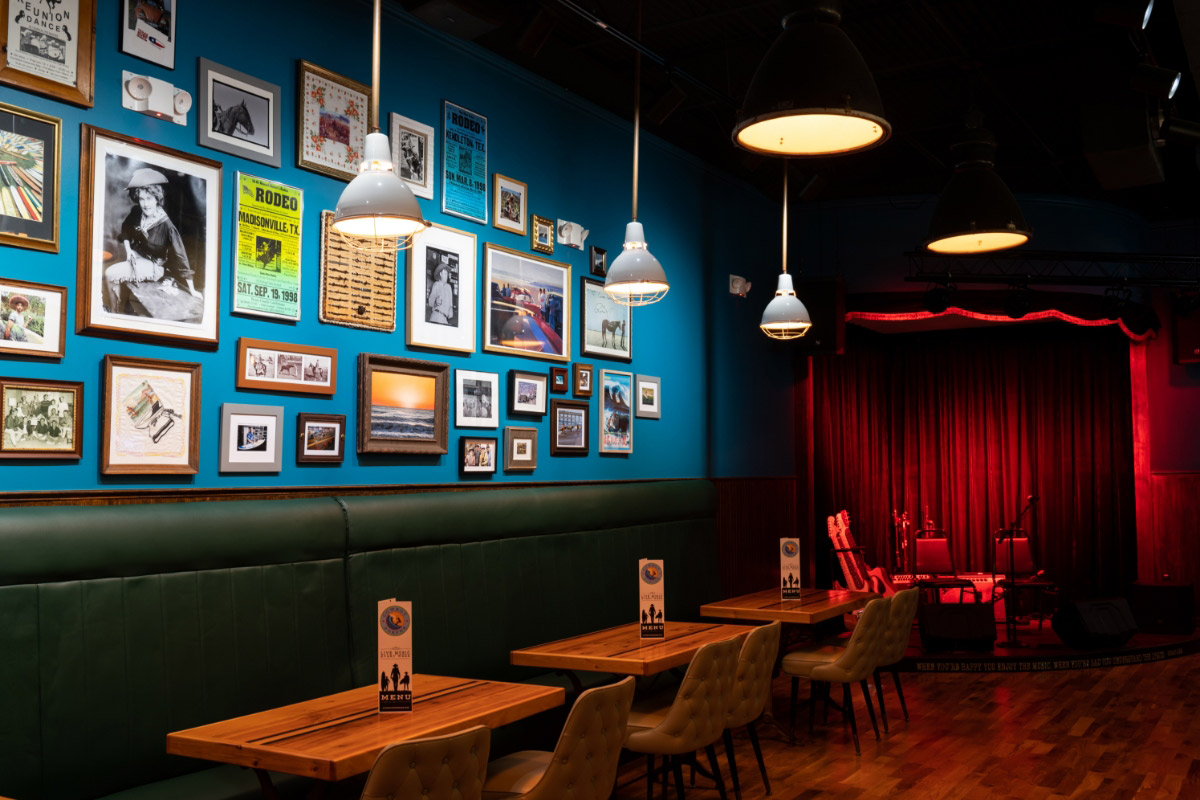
{"x":154,"y":97}
{"x":739,"y":286}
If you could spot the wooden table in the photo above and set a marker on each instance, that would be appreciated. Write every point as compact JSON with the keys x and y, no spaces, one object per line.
{"x":814,"y":606}
{"x":333,"y":737}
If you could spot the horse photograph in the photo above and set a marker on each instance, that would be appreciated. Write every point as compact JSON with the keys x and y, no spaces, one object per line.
{"x":607,"y":325}
{"x":240,"y":114}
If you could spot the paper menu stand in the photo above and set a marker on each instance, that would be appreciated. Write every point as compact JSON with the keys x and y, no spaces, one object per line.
{"x":395,"y":655}
{"x":789,"y":568}
{"x":652,"y":597}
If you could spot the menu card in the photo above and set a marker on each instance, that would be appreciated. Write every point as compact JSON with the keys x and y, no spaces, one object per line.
{"x":653,"y":601}
{"x":395,"y":655}
{"x":789,"y":568}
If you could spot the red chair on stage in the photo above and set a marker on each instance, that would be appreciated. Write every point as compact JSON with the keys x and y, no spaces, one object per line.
{"x":1023,"y":576}
{"x":933,"y":558}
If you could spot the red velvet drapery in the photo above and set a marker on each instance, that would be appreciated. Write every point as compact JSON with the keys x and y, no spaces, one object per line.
{"x":967,"y":424}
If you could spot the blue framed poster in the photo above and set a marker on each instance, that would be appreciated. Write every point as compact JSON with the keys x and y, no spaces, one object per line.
{"x":464,"y":163}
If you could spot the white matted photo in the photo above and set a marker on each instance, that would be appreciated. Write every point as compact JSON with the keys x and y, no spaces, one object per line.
{"x":442,"y":295}
{"x":413,"y":154}
{"x":527,"y":392}
{"x":511,"y":200}
{"x":238,"y":113}
{"x":477,"y":454}
{"x":648,"y":391}
{"x":607,"y":326}
{"x":251,"y":438}
{"x":477,"y":399}
{"x":148,"y":30}
{"x":32,"y":319}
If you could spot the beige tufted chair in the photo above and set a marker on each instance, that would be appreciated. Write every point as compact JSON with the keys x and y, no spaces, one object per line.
{"x":692,"y":721}
{"x":447,"y":767}
{"x":845,"y":665}
{"x":899,"y":633}
{"x":583,"y":765}
{"x":751,"y":695}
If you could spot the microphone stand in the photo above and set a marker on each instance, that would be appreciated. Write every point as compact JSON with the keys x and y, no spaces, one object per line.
{"x":1010,"y":595}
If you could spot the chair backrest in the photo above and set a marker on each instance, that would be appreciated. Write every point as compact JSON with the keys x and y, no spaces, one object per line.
{"x":933,"y":557}
{"x":697,"y":717}
{"x":1022,"y":556}
{"x":864,"y":649}
{"x":899,"y":626}
{"x":752,"y":685}
{"x":450,"y":767}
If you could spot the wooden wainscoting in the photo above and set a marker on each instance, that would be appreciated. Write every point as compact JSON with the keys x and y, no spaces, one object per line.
{"x":1172,"y":546}
{"x":752,"y":515}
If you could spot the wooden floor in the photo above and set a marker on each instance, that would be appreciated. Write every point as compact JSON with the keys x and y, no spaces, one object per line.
{"x":1120,"y":732}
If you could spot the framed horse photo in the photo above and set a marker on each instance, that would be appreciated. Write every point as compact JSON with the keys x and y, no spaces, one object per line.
{"x":238,"y":114}
{"x":606,"y":329}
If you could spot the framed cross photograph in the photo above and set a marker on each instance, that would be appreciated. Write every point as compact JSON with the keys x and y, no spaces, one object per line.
{"x":41,"y":419}
{"x":510,"y":200}
{"x":527,"y":305}
{"x":648,"y":391}
{"x":582,"y":382}
{"x":568,"y":427}
{"x":321,"y":438}
{"x":331,"y":127}
{"x":49,"y":47}
{"x":606,"y":327}
{"x":148,"y":30}
{"x":520,"y":449}
{"x":251,"y":438}
{"x":477,"y":454}
{"x":30,"y":149}
{"x":149,"y":241}
{"x":279,"y":367}
{"x":238,"y":114}
{"x":413,"y":154}
{"x":402,"y":405}
{"x":151,"y":417}
{"x":442,"y":291}
{"x":527,"y":392}
{"x":33,"y":319}
{"x":616,"y":403}
{"x":598,"y":261}
{"x":476,"y":399}
{"x":541,"y":234}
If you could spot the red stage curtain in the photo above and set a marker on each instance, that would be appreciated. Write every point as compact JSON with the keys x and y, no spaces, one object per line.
{"x":967,"y":424}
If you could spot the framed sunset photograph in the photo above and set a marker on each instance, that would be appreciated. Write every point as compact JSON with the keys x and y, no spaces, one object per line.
{"x":402,"y":405}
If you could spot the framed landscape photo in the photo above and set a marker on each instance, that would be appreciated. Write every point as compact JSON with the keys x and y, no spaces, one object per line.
{"x":510,"y":201}
{"x":477,"y":454}
{"x":648,"y":391}
{"x":151,"y":417}
{"x":582,"y":382}
{"x":49,"y":47}
{"x":279,"y":367}
{"x":321,"y":438}
{"x":41,"y":419}
{"x":251,"y":438}
{"x":527,"y":392}
{"x":520,"y":449}
{"x":413,"y":154}
{"x":331,"y":126}
{"x":33,"y":319}
{"x":541,"y":234}
{"x":238,"y":113}
{"x":616,"y":403}
{"x":598,"y":261}
{"x":464,"y":163}
{"x":568,"y":427}
{"x":402,"y":405}
{"x":148,"y":30}
{"x":442,"y":290}
{"x":527,"y":305}
{"x":476,"y":399}
{"x":558,"y":380}
{"x":606,"y":326}
{"x":30,"y":149}
{"x":149,"y":241}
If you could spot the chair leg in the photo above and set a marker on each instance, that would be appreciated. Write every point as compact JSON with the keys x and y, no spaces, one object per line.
{"x":848,"y":713}
{"x":727,"y":736}
{"x":650,"y":776}
{"x":870,"y":706}
{"x":879,"y":694}
{"x":715,"y":766}
{"x":762,"y":767}
{"x":666,"y":775}
{"x":814,"y":694}
{"x":827,"y":688}
{"x":792,"y":713}
{"x":900,"y":692}
{"x":677,"y":768}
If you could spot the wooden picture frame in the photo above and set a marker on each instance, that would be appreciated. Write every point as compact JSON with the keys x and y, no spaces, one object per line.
{"x":148,"y":30}
{"x":33,"y":319}
{"x":520,"y":449}
{"x":615,"y":428}
{"x":238,"y":113}
{"x":414,"y":153}
{"x":443,"y":294}
{"x":558,"y":380}
{"x":320,"y":438}
{"x":527,"y":392}
{"x":32,"y":147}
{"x":477,"y":455}
{"x":402,"y":405}
{"x":251,"y":438}
{"x":647,"y":391}
{"x":151,"y":417}
{"x":597,"y":261}
{"x":280,"y":367}
{"x":41,"y":420}
{"x":510,"y":204}
{"x":476,"y":399}
{"x":541,"y":234}
{"x":581,"y":383}
{"x":569,"y":427}
{"x":527,"y":305}
{"x":331,"y":121}
{"x":605,"y":326}
{"x":30,"y":54}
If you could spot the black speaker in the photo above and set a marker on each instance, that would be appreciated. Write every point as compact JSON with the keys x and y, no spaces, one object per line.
{"x":1164,"y":607}
{"x":956,"y":626}
{"x":1090,"y":624}
{"x":825,"y":299}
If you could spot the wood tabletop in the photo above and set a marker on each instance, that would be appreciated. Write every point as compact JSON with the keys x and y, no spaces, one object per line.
{"x":334,"y":737}
{"x":622,"y":651}
{"x":814,"y":605}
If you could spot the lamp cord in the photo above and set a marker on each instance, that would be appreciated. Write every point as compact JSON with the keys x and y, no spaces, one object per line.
{"x":785,"y":194}
{"x":373,"y":111}
{"x":637,"y":106}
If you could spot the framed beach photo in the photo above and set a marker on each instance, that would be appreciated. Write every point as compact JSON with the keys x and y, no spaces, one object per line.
{"x":598,"y":261}
{"x":402,"y":405}
{"x":49,"y":47}
{"x":238,"y":113}
{"x":582,"y":383}
{"x":331,"y":126}
{"x":279,"y":367}
{"x":558,"y":380}
{"x":30,"y":149}
{"x":464,"y":163}
{"x":413,"y":154}
{"x":527,"y":392}
{"x":149,"y":242}
{"x":477,"y":454}
{"x":251,"y":438}
{"x":541,"y":234}
{"x":520,"y":449}
{"x":510,"y":201}
{"x":568,"y":427}
{"x":321,"y":438}
{"x":606,"y":326}
{"x":616,"y":403}
{"x":33,"y":319}
{"x":148,"y":30}
{"x":442,"y":290}
{"x":151,"y":417}
{"x":527,"y":305}
{"x":648,"y":391}
{"x":41,"y":419}
{"x":476,"y":399}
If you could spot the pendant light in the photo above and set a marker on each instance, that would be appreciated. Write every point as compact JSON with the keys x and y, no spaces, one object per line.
{"x":377,"y":211}
{"x":785,"y":317}
{"x":635,"y":277}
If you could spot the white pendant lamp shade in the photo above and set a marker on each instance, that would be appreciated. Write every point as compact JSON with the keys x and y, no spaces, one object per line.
{"x":635,"y":278}
{"x":378,"y":204}
{"x":785,"y":316}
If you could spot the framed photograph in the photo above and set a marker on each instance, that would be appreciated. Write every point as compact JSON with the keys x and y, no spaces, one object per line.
{"x":477,"y":454}
{"x":331,"y":125}
{"x":520,"y":449}
{"x":279,"y":367}
{"x":149,"y":241}
{"x":648,"y":391}
{"x":401,"y":405}
{"x":582,"y":382}
{"x":616,"y":421}
{"x":49,"y":47}
{"x":41,"y":419}
{"x":527,"y":305}
{"x":238,"y":113}
{"x":558,"y":380}
{"x":33,"y":319}
{"x":30,"y":149}
{"x":251,"y":438}
{"x":321,"y":438}
{"x":598,"y":261}
{"x":568,"y":427}
{"x":357,"y":290}
{"x":413,"y":154}
{"x":464,"y":163}
{"x":510,"y":202}
{"x":442,"y":291}
{"x":606,"y":326}
{"x":527,"y":392}
{"x":148,"y":30}
{"x":151,"y":417}
{"x":477,"y":399}
{"x":541,"y":234}
{"x":268,"y":219}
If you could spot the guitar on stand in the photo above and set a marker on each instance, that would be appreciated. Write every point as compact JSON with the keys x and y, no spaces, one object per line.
{"x":859,"y":577}
{"x":900,"y":530}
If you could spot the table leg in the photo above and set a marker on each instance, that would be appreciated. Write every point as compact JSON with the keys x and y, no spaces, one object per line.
{"x":264,"y":782}
{"x":576,"y":684}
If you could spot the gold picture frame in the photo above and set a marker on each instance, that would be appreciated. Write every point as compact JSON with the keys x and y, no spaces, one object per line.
{"x":541,"y":234}
{"x":18,"y":59}
{"x":331,"y":121}
{"x":510,"y":204}
{"x":34,"y":141}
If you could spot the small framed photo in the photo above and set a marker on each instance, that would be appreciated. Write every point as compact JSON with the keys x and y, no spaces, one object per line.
{"x":33,"y":318}
{"x":541,"y":234}
{"x":30,"y":150}
{"x":238,"y":114}
{"x":520,"y":449}
{"x":331,"y":128}
{"x":321,"y":438}
{"x":616,"y":421}
{"x":148,"y":30}
{"x":606,"y":326}
{"x":568,"y":427}
{"x":413,"y":153}
{"x":510,"y":200}
{"x":442,"y":292}
{"x":151,"y":417}
{"x":649,"y":397}
{"x":477,"y":454}
{"x":280,"y":367}
{"x":558,"y":380}
{"x":582,"y":382}
{"x":477,"y":399}
{"x":41,"y":54}
{"x":527,"y":392}
{"x":527,"y":305}
{"x":598,"y":261}
{"x":251,"y":438}
{"x":41,"y":419}
{"x":402,"y":405}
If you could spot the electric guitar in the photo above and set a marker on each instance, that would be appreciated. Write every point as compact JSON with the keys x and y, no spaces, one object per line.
{"x":859,"y":577}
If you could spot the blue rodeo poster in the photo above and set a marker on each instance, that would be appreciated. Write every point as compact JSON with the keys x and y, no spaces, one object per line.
{"x":464,"y":164}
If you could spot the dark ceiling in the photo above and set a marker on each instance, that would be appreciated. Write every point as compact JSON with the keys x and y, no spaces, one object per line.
{"x":1051,"y":81}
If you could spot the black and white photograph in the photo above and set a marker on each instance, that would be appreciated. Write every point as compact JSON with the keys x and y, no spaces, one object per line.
{"x":441,"y":276}
{"x":527,"y":392}
{"x":238,"y":113}
{"x":49,"y":47}
{"x":582,"y":380}
{"x":277,"y":366}
{"x":40,"y":419}
{"x":413,"y":154}
{"x":477,"y":396}
{"x":148,"y":31}
{"x":598,"y":258}
{"x":442,"y":296}
{"x":251,"y":438}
